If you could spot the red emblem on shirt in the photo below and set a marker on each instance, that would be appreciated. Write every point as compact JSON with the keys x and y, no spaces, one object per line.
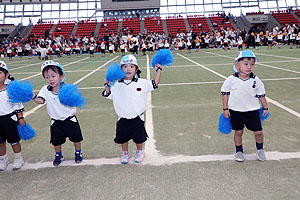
{"x":138,"y":89}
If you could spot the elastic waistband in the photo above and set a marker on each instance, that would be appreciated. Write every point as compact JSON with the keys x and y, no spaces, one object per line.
{"x":64,"y":119}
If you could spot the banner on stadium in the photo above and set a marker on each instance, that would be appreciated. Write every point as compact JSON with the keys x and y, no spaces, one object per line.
{"x":255,"y":19}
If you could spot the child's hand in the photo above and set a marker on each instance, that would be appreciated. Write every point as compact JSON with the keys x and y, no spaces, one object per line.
{"x":265,"y":112}
{"x":22,"y":121}
{"x":107,"y":84}
{"x":226,"y":114}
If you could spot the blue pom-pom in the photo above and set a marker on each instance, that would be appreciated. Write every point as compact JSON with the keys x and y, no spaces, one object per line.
{"x":26,"y":132}
{"x":262,"y":117}
{"x":71,"y":96}
{"x":114,"y":72}
{"x":224,"y":125}
{"x":19,"y":92}
{"x":163,"y":57}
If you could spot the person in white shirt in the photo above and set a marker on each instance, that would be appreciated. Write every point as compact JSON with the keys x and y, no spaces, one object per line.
{"x":129,"y":97}
{"x":64,"y":123}
{"x":11,"y":114}
{"x":242,"y":94}
{"x":9,"y":53}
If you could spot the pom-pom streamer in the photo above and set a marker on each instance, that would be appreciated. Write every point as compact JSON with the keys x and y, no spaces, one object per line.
{"x":71,"y":96}
{"x":114,"y":72}
{"x":19,"y":92}
{"x":26,"y":132}
{"x":163,"y":57}
{"x":224,"y":125}
{"x":262,"y":117}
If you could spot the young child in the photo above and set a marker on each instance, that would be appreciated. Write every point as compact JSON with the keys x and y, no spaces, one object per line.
{"x":129,"y":97}
{"x":10,"y":115}
{"x":64,"y":123}
{"x":242,"y":94}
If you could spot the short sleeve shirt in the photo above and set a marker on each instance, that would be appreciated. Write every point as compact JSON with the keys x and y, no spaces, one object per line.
{"x":243,"y":94}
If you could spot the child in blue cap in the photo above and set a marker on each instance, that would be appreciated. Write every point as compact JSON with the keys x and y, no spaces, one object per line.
{"x":243,"y":94}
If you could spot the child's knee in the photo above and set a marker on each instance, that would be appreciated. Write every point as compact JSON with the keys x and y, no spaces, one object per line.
{"x":258,"y":133}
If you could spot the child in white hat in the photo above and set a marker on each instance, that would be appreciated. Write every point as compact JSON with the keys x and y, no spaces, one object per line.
{"x":129,"y":97}
{"x":64,"y":123}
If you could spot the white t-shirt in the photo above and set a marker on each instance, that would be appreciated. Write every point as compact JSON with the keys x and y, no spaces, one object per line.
{"x":6,"y":107}
{"x":130,"y":97}
{"x":55,"y":109}
{"x":243,"y":94}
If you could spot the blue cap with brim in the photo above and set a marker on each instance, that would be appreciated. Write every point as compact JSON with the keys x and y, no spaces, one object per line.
{"x":243,"y":54}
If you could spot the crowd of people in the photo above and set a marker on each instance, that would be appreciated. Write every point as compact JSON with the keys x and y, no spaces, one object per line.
{"x":141,"y":43}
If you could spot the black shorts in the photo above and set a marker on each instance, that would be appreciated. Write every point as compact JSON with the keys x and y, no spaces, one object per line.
{"x":8,"y":129}
{"x":122,"y":50}
{"x":60,"y":130}
{"x":128,"y":129}
{"x":250,"y":119}
{"x":111,"y":51}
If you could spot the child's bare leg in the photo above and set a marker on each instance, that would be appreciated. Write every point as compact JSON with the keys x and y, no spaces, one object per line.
{"x":3,"y":149}
{"x":139,"y":146}
{"x":16,"y":147}
{"x":125,"y":146}
{"x":77,"y":146}
{"x":238,"y":137}
{"x":259,"y":136}
{"x":57,"y":148}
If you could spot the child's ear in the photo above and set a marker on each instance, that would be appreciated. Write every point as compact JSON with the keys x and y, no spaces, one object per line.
{"x":62,"y":77}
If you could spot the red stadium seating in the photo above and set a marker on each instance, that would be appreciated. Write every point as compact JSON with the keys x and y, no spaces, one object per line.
{"x":175,"y":24}
{"x":133,"y":25}
{"x":108,"y":26}
{"x":153,"y":24}
{"x":284,"y":17}
{"x":39,"y":29}
{"x":86,"y":28}
{"x":222,"y":23}
{"x":195,"y":20}
{"x":297,"y":12}
{"x":66,"y":29}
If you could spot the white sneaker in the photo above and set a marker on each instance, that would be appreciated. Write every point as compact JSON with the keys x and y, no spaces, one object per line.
{"x":3,"y":164}
{"x":18,"y":163}
{"x":139,"y":156}
{"x":124,"y":158}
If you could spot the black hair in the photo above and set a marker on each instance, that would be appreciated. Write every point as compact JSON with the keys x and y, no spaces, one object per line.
{"x":240,"y":59}
{"x":6,"y":72}
{"x":53,"y":68}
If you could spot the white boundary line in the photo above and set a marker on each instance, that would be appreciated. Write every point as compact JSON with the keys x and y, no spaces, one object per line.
{"x":268,"y":99}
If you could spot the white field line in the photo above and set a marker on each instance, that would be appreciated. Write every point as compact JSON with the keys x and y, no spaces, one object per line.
{"x":212,"y":71}
{"x":40,"y":105}
{"x":259,"y":63}
{"x":150,"y":147}
{"x":276,"y":56}
{"x":161,"y":160}
{"x":268,"y":99}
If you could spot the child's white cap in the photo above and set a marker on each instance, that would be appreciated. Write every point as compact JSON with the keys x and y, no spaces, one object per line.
{"x":52,"y":63}
{"x":243,"y":54}
{"x":128,"y":59}
{"x":3,"y":65}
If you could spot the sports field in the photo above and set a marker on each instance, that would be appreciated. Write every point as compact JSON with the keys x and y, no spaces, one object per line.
{"x":186,"y":157}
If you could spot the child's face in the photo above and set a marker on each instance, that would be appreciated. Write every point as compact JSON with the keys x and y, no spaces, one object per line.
{"x":245,"y":66}
{"x":130,"y":70}
{"x":3,"y":77}
{"x":53,"y":78}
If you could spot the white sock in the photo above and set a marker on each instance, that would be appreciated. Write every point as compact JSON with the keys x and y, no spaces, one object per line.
{"x":18,"y":155}
{"x":2,"y":157}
